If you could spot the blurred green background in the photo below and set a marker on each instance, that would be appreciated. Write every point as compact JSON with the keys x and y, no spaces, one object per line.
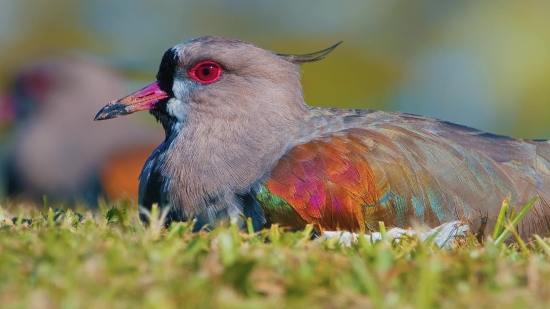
{"x":483,"y":64}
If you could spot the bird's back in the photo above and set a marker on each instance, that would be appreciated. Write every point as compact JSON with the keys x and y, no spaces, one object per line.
{"x":355,"y":168}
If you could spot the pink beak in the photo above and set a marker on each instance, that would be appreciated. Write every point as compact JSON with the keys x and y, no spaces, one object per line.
{"x":144,"y":99}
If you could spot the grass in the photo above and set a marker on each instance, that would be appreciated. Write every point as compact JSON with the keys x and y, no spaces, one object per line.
{"x":59,"y":259}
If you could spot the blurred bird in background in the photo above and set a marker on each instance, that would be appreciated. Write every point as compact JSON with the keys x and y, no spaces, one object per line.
{"x":55,"y":149}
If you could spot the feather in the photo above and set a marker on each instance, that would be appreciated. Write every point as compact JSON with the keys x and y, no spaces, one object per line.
{"x":303,"y":58}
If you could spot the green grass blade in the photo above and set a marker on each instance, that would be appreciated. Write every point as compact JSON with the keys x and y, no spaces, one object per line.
{"x":520,"y":241}
{"x":499,"y":225}
{"x":50,"y":217}
{"x":515,"y":221}
{"x":543,"y":244}
{"x":383,"y":233}
{"x":250,"y":226}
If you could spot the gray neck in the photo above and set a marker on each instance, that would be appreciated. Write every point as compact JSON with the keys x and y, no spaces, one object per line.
{"x":209,"y":164}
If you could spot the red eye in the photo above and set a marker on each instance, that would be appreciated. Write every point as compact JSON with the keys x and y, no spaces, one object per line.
{"x":206,"y":72}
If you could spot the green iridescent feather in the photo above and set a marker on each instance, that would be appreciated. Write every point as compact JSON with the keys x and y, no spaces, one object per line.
{"x":278,"y":210}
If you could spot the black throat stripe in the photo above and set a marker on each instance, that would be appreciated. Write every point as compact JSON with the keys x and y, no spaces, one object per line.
{"x":167,"y":71}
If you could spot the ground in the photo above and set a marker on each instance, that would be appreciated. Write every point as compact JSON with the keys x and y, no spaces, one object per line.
{"x":107,"y":259}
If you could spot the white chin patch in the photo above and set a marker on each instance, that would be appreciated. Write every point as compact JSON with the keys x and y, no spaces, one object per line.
{"x":176,"y":108}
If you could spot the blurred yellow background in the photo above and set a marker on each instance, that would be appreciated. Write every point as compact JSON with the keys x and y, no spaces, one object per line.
{"x":477,"y":63}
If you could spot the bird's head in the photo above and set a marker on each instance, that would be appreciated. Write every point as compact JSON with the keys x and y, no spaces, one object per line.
{"x":59,"y":83}
{"x":219,"y":79}
{"x":28,"y":90}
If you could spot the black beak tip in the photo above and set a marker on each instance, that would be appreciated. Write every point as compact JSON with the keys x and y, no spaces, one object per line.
{"x":111,"y":111}
{"x":100,"y":116}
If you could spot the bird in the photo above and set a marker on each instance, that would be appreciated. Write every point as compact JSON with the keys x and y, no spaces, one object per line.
{"x":241,"y":142}
{"x":54,"y":150}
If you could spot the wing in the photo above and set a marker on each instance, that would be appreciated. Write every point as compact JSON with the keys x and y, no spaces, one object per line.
{"x":406,"y":170}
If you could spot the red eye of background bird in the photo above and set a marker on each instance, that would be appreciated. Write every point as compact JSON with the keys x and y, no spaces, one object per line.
{"x":206,"y":72}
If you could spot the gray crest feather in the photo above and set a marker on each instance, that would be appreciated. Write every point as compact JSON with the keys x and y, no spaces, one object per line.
{"x":303,"y":58}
